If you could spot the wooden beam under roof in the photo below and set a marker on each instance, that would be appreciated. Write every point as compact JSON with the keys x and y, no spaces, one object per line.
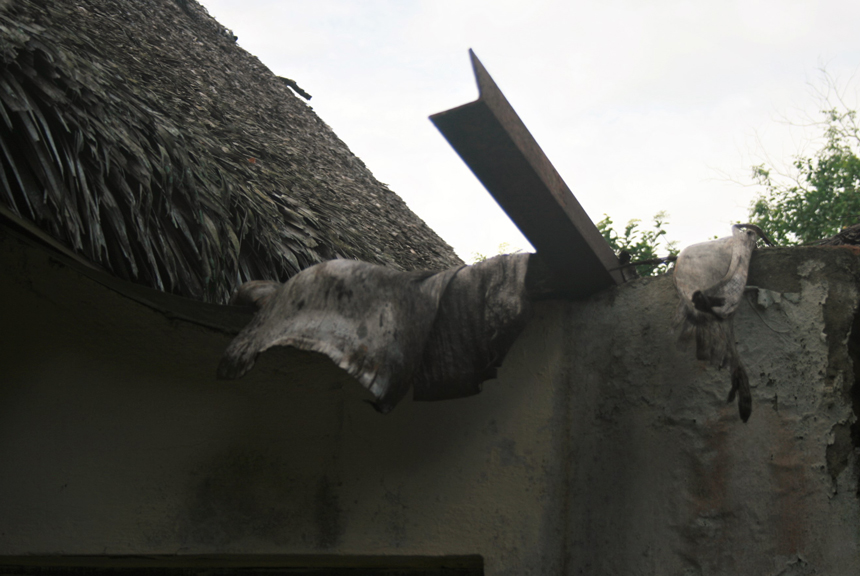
{"x":498,"y":148}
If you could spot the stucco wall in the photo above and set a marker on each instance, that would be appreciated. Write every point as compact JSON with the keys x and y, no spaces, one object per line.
{"x":665,"y":479}
{"x":601,"y":449}
{"x":116,"y":438}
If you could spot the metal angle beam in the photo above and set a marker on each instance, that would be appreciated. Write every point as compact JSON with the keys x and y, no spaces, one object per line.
{"x":498,"y":148}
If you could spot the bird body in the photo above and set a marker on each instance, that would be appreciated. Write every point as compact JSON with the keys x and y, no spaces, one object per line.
{"x":710,"y":278}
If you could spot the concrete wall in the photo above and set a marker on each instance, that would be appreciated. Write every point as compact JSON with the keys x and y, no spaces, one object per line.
{"x":665,"y":479}
{"x":601,"y":449}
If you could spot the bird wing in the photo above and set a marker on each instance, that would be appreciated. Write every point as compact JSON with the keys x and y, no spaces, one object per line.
{"x":711,"y":276}
{"x":702,"y":265}
{"x":727,"y":293}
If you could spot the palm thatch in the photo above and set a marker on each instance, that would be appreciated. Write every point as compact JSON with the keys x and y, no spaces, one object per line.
{"x":139,"y":134}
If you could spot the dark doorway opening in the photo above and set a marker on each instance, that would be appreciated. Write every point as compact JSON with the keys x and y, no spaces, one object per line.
{"x":215,"y":565}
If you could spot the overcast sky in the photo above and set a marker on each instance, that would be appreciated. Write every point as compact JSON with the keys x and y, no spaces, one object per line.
{"x":641,"y":106}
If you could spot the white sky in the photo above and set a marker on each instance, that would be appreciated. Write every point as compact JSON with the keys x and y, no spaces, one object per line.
{"x":641,"y":106}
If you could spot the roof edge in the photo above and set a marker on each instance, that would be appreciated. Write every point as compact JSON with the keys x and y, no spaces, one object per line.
{"x":221,"y":317}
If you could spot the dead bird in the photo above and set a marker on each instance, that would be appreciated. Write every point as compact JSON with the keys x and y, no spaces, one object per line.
{"x":710,"y":278}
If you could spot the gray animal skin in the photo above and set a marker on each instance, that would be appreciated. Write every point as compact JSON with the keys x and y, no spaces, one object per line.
{"x":710,"y":278}
{"x":439,"y":334}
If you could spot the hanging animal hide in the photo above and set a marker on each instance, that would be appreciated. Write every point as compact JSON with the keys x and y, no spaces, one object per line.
{"x":710,"y":278}
{"x":441,"y":334}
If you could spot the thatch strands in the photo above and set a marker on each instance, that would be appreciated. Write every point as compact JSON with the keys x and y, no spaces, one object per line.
{"x":141,"y":136}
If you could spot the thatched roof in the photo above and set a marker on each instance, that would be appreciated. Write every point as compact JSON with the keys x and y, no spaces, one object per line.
{"x":143,"y":137}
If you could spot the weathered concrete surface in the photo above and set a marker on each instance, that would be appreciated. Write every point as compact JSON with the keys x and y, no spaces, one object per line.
{"x":665,"y":479}
{"x":601,"y":449}
{"x":116,"y":438}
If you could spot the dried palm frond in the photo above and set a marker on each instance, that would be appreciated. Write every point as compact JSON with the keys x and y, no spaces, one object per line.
{"x":142,"y":137}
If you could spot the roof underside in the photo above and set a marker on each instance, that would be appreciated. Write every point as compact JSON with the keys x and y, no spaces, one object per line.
{"x":140,"y":135}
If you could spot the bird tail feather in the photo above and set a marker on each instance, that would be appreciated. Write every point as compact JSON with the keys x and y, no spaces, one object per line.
{"x":741,"y":386}
{"x":715,"y":343}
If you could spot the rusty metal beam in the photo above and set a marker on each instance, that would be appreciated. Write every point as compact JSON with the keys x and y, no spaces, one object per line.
{"x":498,"y":148}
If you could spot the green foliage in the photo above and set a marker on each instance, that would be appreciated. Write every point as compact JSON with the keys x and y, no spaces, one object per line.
{"x":821,"y":195}
{"x":641,"y":244}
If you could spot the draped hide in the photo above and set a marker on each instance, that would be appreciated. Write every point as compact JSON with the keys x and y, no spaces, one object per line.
{"x":442,"y":334}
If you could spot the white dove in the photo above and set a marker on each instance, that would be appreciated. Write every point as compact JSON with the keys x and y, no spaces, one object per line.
{"x":710,"y":278}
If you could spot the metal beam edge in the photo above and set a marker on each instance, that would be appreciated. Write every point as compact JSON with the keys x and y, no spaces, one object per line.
{"x":573,"y":245}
